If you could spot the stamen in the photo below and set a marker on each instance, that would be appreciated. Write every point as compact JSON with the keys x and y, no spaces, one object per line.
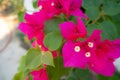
{"x":52,"y":4}
{"x":40,"y":46}
{"x":40,"y":7}
{"x":77,"y":49}
{"x":87,"y":54}
{"x":90,"y":44}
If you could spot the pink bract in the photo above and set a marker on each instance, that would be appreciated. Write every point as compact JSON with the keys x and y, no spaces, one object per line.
{"x":74,"y":58}
{"x":71,"y":31}
{"x":72,"y":7}
{"x":97,"y":54}
{"x":50,"y":7}
{"x":112,"y":47}
{"x":33,"y":27}
{"x":32,"y":31}
{"x":40,"y":74}
{"x":36,"y":18}
{"x":56,"y":7}
{"x":107,"y":70}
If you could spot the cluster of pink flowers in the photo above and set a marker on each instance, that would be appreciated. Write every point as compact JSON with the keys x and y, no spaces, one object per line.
{"x":93,"y":53}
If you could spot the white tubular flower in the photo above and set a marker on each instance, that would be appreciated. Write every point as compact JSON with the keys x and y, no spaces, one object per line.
{"x":28,"y":4}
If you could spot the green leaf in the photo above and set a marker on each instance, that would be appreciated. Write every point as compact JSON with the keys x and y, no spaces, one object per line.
{"x":35,"y":3}
{"x":90,"y":28}
{"x":108,"y":30}
{"x":116,"y":20}
{"x":30,"y":77}
{"x":36,"y":58}
{"x":22,"y":65}
{"x":114,"y":77}
{"x":118,"y":28}
{"x":111,"y":7}
{"x":58,"y":71}
{"x":92,"y":12}
{"x":17,"y":76}
{"x":94,"y":3}
{"x":52,"y":25}
{"x":22,"y":71}
{"x":47,"y":58}
{"x":21,"y":75}
{"x":79,"y":74}
{"x":33,"y":59}
{"x":53,"y":40}
{"x":21,"y":16}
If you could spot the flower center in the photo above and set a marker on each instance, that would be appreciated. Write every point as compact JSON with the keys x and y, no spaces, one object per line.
{"x":40,"y":7}
{"x":90,"y":44}
{"x":52,"y":4}
{"x":77,"y":49}
{"x":87,"y":54}
{"x":40,"y":46}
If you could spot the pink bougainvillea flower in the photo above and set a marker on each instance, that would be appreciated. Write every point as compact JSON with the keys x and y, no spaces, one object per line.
{"x":93,"y":40}
{"x":77,"y":54}
{"x":74,"y":55}
{"x":72,"y":31}
{"x":105,"y":52}
{"x":98,"y":55}
{"x":36,"y":18}
{"x":55,"y":7}
{"x":98,"y":61}
{"x":40,"y":74}
{"x":32,"y":31}
{"x":107,"y":69}
{"x":50,"y":7}
{"x":33,"y":27}
{"x":72,"y":7}
{"x":111,"y":47}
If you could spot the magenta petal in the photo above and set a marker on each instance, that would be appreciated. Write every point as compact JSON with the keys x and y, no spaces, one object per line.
{"x":32,"y":31}
{"x":95,"y":38}
{"x":26,"y":29}
{"x":76,"y":4}
{"x":67,"y":30}
{"x":72,"y":58}
{"x":44,"y":76}
{"x":111,"y":48}
{"x":115,"y":48}
{"x":33,"y":19}
{"x":35,"y":73}
{"x":71,"y":31}
{"x":79,"y":13}
{"x":42,"y":3}
{"x":40,"y":75}
{"x":101,"y":64}
{"x":40,"y":37}
{"x":66,"y":6}
{"x":49,"y":7}
{"x":98,"y":60}
{"x":109,"y":69}
{"x":81,"y":28}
